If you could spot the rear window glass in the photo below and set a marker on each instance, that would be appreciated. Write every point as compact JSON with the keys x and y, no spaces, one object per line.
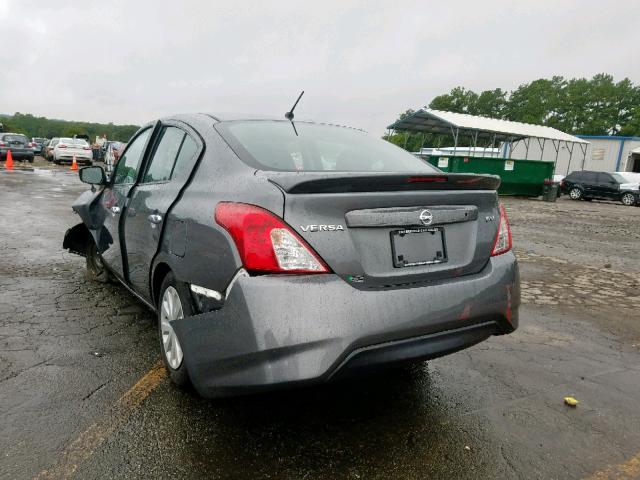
{"x":276,"y":145}
{"x":73,"y":141}
{"x":15,"y":138}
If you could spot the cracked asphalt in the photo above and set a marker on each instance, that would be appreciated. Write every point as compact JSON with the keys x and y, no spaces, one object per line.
{"x":82,"y":396}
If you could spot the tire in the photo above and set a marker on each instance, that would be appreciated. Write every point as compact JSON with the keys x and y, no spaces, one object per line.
{"x":628,"y":199}
{"x":30,"y":159}
{"x":173,"y":293}
{"x":96,"y":271}
{"x":575,"y":193}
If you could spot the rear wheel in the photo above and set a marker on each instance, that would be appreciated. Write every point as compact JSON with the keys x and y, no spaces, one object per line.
{"x":628,"y":199}
{"x":174,"y":304}
{"x":575,"y":193}
{"x":96,"y":270}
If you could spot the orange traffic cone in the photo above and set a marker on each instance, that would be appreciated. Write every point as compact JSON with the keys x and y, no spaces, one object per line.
{"x":8,"y":164}
{"x":74,"y":165}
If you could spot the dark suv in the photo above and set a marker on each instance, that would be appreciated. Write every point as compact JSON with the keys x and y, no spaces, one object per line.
{"x":19,"y":145}
{"x":586,"y":185}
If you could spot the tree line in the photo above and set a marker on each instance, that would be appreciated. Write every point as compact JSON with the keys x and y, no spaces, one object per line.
{"x":48,"y":128}
{"x":596,"y":106}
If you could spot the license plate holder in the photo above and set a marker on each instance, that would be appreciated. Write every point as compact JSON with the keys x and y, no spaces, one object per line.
{"x":418,"y":246}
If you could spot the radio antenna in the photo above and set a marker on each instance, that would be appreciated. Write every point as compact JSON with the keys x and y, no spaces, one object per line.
{"x":289,"y":114}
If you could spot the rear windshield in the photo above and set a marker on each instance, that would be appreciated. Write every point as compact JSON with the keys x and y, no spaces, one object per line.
{"x":15,"y":138}
{"x":73,"y":141}
{"x":276,"y":145}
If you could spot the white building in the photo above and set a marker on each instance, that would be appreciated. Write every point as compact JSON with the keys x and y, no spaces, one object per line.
{"x":603,"y":154}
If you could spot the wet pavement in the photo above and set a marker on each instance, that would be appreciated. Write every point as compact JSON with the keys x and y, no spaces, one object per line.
{"x":82,"y":396}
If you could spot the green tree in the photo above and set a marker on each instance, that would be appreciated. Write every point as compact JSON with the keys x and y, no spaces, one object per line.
{"x":459,"y":100}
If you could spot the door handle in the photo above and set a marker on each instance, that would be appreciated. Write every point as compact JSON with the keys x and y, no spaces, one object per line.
{"x":155,"y":218}
{"x":115,"y":209}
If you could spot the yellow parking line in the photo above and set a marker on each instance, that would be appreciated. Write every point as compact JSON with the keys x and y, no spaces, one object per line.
{"x":625,"y":471}
{"x":83,"y":447}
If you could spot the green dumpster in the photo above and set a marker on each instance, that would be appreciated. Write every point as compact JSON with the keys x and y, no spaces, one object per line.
{"x":519,"y":177}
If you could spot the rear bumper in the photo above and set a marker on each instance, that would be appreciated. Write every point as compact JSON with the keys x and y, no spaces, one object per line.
{"x":275,"y":331}
{"x":80,"y":157}
{"x":17,"y":153}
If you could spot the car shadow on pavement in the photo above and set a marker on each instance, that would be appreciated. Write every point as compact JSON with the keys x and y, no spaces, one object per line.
{"x":395,"y":422}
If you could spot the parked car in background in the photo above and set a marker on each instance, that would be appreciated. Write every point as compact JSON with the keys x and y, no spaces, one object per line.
{"x":68,"y":148}
{"x":630,"y":177}
{"x":588,"y":185}
{"x":38,"y":143}
{"x":20,"y":146}
{"x":47,"y":152}
{"x":277,"y":254}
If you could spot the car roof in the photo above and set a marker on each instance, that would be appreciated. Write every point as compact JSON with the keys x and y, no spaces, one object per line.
{"x":205,"y":118}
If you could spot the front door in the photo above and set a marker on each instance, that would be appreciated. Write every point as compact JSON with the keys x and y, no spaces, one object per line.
{"x":607,"y":186}
{"x":114,"y":201}
{"x":172,"y":159}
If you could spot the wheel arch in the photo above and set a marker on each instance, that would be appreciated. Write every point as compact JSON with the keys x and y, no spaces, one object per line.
{"x":159,"y":273}
{"x":78,"y":239}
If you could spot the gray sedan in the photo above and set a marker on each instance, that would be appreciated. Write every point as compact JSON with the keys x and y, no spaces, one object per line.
{"x":278,"y":253}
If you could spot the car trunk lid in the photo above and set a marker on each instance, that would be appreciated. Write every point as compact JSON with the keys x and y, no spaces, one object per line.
{"x":391,"y":230}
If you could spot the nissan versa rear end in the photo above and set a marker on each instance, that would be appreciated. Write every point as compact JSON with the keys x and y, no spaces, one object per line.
{"x":279,"y":253}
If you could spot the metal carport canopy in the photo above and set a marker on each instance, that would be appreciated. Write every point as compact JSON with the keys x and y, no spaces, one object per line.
{"x":437,"y":121}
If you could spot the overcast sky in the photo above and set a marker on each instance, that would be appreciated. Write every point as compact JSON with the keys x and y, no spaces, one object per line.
{"x":359,"y":62}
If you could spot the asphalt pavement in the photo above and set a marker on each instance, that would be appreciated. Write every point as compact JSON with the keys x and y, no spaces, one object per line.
{"x":82,"y":394}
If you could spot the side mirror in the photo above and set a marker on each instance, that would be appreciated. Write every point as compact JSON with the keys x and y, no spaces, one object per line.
{"x":93,"y":175}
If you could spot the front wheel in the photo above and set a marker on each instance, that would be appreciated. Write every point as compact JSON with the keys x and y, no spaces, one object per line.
{"x":174,"y":304}
{"x":575,"y":193}
{"x":628,"y":199}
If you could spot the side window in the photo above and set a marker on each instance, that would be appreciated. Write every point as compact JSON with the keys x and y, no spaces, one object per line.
{"x":164,"y":155}
{"x":605,"y":178}
{"x":182,"y":168}
{"x":589,"y":177}
{"x":129,"y":163}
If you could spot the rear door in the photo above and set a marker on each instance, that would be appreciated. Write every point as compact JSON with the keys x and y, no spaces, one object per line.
{"x":114,"y":201}
{"x":173,"y":156}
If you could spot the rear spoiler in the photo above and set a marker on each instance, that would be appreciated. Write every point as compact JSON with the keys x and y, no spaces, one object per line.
{"x":344,"y":182}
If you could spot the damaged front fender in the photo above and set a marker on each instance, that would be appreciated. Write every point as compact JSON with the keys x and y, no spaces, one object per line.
{"x":81,"y":237}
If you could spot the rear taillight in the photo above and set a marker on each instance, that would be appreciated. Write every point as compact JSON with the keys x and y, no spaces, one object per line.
{"x":266,"y":244}
{"x":62,"y":146}
{"x":2,"y":144}
{"x":86,"y":148}
{"x":503,"y":242}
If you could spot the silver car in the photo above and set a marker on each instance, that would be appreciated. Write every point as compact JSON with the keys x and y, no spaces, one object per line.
{"x":276,"y":253}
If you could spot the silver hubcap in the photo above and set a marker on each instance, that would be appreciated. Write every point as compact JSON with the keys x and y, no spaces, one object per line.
{"x":627,"y":199}
{"x":171,"y":310}
{"x":575,"y":193}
